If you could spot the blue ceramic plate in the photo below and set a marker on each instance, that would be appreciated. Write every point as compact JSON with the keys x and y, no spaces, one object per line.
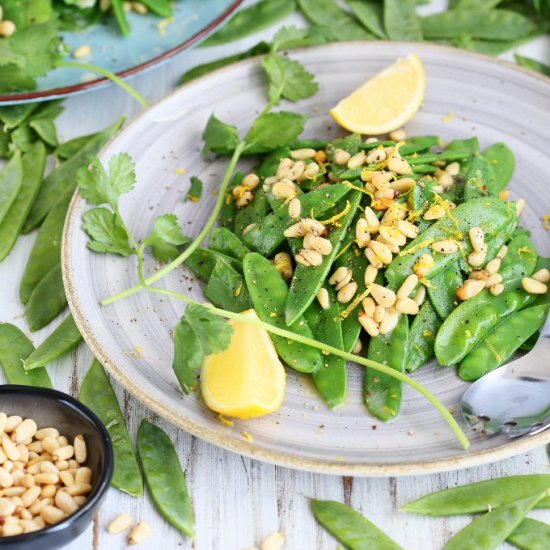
{"x":152,"y":40}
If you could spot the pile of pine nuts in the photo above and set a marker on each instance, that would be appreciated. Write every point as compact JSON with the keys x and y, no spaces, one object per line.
{"x":43,"y":479}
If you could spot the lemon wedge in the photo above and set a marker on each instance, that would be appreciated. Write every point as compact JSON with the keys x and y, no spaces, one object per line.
{"x":247,"y":379}
{"x":385,"y":102}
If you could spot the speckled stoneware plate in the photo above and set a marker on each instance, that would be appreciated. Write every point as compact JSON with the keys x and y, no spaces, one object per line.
{"x":466,"y":95}
{"x":151,"y":41}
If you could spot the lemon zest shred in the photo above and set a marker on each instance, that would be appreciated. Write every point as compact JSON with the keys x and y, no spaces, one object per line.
{"x":427,"y":283}
{"x":357,"y":300}
{"x":247,"y":436}
{"x":546,"y":221}
{"x":344,"y":250}
{"x":416,"y":247}
{"x":238,"y":290}
{"x":225,"y":420}
{"x":427,"y":333}
{"x":354,"y":187}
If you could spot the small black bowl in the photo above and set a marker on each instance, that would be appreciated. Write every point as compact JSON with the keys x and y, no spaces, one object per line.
{"x":51,"y":408}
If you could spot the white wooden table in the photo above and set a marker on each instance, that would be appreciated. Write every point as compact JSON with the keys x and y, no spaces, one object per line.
{"x":239,"y":501}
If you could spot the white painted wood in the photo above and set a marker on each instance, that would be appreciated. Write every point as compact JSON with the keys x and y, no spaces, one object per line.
{"x":239,"y":501}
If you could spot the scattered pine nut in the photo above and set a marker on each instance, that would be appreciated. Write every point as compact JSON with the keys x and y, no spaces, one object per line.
{"x":82,"y":51}
{"x":469,"y":289}
{"x":120,"y":523}
{"x":274,"y":541}
{"x":323,"y":298}
{"x":139,"y":533}
{"x":542,"y":276}
{"x":532,"y":286}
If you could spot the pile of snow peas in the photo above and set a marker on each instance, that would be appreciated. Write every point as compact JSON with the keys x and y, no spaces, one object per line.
{"x":404,"y":249}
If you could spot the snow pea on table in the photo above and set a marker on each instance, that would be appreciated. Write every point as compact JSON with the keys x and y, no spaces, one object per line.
{"x":11,"y":178}
{"x":269,"y":295}
{"x":531,"y":534}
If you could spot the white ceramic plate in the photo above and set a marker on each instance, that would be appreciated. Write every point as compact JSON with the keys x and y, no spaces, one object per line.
{"x":466,"y":95}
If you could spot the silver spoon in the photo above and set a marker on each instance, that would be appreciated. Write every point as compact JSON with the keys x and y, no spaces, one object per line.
{"x":515,"y":398}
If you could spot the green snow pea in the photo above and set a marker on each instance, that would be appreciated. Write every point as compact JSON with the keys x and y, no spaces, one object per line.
{"x":496,"y":25}
{"x":258,"y":209}
{"x":463,"y":147}
{"x":60,"y":342}
{"x":46,"y":251}
{"x":482,"y":496}
{"x":502,"y":160}
{"x":97,"y":393}
{"x":498,"y":346}
{"x":227,"y":289}
{"x":33,"y":164}
{"x":531,"y":534}
{"x":422,"y":335}
{"x":401,"y":21}
{"x":47,"y":300}
{"x":203,"y":261}
{"x":442,"y":290}
{"x":269,"y":294}
{"x":164,"y":477}
{"x":383,"y":393}
{"x":307,"y":280}
{"x":532,"y":64}
{"x":63,"y":178}
{"x":14,"y":115}
{"x":420,"y":169}
{"x":418,"y":144}
{"x":120,"y":14}
{"x":11,"y":178}
{"x":268,"y":233}
{"x":309,"y":144}
{"x":229,"y":210}
{"x":473,"y":320}
{"x":351,"y":143}
{"x":371,"y":15}
{"x":496,"y":218}
{"x":521,"y":259}
{"x":331,"y":377}
{"x":350,"y":528}
{"x":160,"y":7}
{"x":493,"y":528}
{"x":328,"y":13}
{"x":250,"y":20}
{"x":226,"y":242}
{"x":480,"y":178}
{"x":14,"y":348}
{"x":68,"y":149}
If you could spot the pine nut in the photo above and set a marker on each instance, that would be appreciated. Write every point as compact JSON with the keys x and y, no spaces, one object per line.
{"x":362,"y":233}
{"x":139,"y":533}
{"x":407,"y":287}
{"x":372,"y":219}
{"x":393,"y":235}
{"x":312,"y":171}
{"x":394,"y":213}
{"x":383,"y":253}
{"x":251,"y":181}
{"x":494,"y":279}
{"x":369,"y":306}
{"x":341,"y":156}
{"x":7,"y":507}
{"x":424,"y":265}
{"x":301,"y":260}
{"x":356,"y":160}
{"x":46,"y":432}
{"x":381,"y":180}
{"x":51,"y":514}
{"x":469,"y":289}
{"x":399,"y":165}
{"x":357,"y":348}
{"x":497,"y":289}
{"x":13,"y":491}
{"x":389,"y":323}
{"x":319,"y":244}
{"x":453,"y":168}
{"x":446,"y":246}
{"x":371,"y":140}
{"x":313,"y":257}
{"x":313,"y":226}
{"x":273,"y":542}
{"x":296,"y":230}
{"x":502,"y":252}
{"x":296,"y":172}
{"x":66,"y":478}
{"x":520,"y":206}
{"x":80,"y":451}
{"x":407,"y":306}
{"x":346,"y":293}
{"x":27,"y":481}
{"x":65,"y":502}
{"x":284,"y":167}
{"x":7,"y":28}
{"x":283,"y":263}
{"x":6,"y":479}
{"x":542,"y":276}
{"x":83,"y":475}
{"x":10,"y":448}
{"x":383,"y":296}
{"x":376,"y":156}
{"x":407,"y":228}
{"x":39,"y":504}
{"x":379,"y":313}
{"x":82,"y":51}
{"x":11,"y":423}
{"x":493,"y":266}
{"x":371,"y":273}
{"x":476,"y":259}
{"x":303,"y":154}
{"x":29,"y":525}
{"x":373,"y":258}
{"x":323,"y":298}
{"x":477,"y":238}
{"x":294,"y":208}
{"x":369,"y":324}
{"x":48,"y":467}
{"x":63,"y":453}
{"x":244,"y":200}
{"x":30,"y":495}
{"x":403,"y":185}
{"x":25,"y":430}
{"x":434,"y":212}
{"x":340,"y":275}
{"x":479,"y":275}
{"x":394,"y":249}
{"x":139,"y":8}
{"x":398,"y":135}
{"x":284,"y":189}
{"x":445,"y":180}
{"x":35,"y":447}
{"x":532,"y":286}
{"x":11,"y":529}
{"x":3,"y":421}
{"x":46,"y":479}
{"x":420,"y":295}
{"x":120,"y":523}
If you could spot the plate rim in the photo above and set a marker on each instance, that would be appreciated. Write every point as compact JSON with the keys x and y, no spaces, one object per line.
{"x":245,"y":448}
{"x":64,"y":91}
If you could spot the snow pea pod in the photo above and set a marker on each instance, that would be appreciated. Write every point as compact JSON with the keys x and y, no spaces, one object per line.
{"x":258,"y":209}
{"x":47,"y":300}
{"x":63,"y":178}
{"x":418,"y":144}
{"x":521,"y":259}
{"x":60,"y":342}
{"x":401,"y":21}
{"x":502,"y":160}
{"x":442,"y":290}
{"x":498,"y":346}
{"x":309,"y":144}
{"x":482,"y":496}
{"x":464,"y":147}
{"x":370,"y":13}
{"x":33,"y":164}
{"x":250,"y":20}
{"x":229,"y":210}
{"x":268,"y":233}
{"x":269,"y":294}
{"x":532,"y":64}
{"x":160,"y":7}
{"x":496,"y":218}
{"x":307,"y":280}
{"x":11,"y":178}
{"x":350,"y":528}
{"x":422,"y":335}
{"x":497,"y":25}
{"x":331,"y":377}
{"x":531,"y":534}
{"x":226,"y":242}
{"x":203,"y":261}
{"x":14,"y":348}
{"x":480,"y":178}
{"x":97,"y":393}
{"x":473,"y":320}
{"x":227,"y":289}
{"x":68,"y":149}
{"x":383,"y":394}
{"x":494,"y":527}
{"x":46,"y":251}
{"x":164,"y":477}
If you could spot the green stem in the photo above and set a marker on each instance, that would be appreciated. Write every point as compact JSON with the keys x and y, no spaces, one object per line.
{"x":195,"y":244}
{"x":453,"y":424}
{"x":108,"y":74}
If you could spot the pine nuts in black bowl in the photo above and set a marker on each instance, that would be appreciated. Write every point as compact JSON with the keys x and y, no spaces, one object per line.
{"x":56,"y":464}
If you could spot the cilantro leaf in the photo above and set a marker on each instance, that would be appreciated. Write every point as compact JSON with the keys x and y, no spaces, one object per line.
{"x":14,"y":79}
{"x":213,"y":331}
{"x":273,"y":130}
{"x":8,"y":56}
{"x":106,"y":232}
{"x":97,"y":187}
{"x":195,"y":191}
{"x":219,"y":137}
{"x":165,"y":238}
{"x":188,"y":356}
{"x":288,"y":79}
